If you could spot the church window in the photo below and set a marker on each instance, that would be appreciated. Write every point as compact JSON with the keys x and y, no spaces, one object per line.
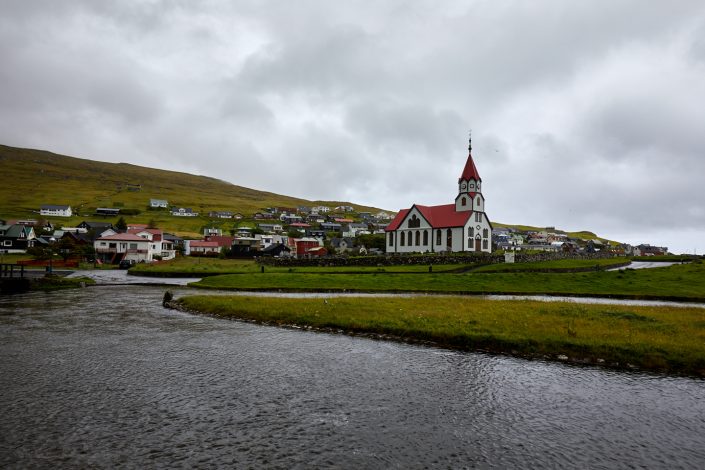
{"x":414,"y":222}
{"x":469,"y":242}
{"x":478,"y":217}
{"x":425,"y":237}
{"x":418,"y":238}
{"x":449,"y":239}
{"x":471,"y":232}
{"x":438,"y":237}
{"x":462,"y":201}
{"x":391,"y":239}
{"x":401,"y":242}
{"x":478,"y":201}
{"x":484,"y":232}
{"x":484,"y":244}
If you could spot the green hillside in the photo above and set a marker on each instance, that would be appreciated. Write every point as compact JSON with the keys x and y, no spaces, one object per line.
{"x":31,"y":178}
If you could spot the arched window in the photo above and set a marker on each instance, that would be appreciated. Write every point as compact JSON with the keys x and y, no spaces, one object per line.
{"x":484,"y":232}
{"x":418,"y":238}
{"x":463,"y":201}
{"x":425,"y":237}
{"x":478,"y":201}
{"x":401,"y":242}
{"x":414,"y":222}
{"x":471,"y":231}
{"x":469,"y":242}
{"x":484,"y":244}
{"x":438,"y":237}
{"x":449,"y":239}
{"x":391,"y":238}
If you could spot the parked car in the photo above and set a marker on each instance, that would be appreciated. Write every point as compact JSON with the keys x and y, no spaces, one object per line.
{"x":126,"y":263}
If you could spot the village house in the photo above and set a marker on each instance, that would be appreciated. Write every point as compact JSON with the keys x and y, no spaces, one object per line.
{"x":158,"y":203}
{"x":183,"y":212}
{"x":345,"y":209}
{"x":459,"y":227}
{"x":220,"y":214}
{"x":354,"y":230}
{"x":107,"y":211}
{"x":342,"y":245}
{"x":212,"y":231}
{"x":123,"y":247}
{"x":270,"y":227}
{"x":51,"y":210}
{"x":16,"y":238}
{"x":201,"y":247}
{"x":300,"y":246}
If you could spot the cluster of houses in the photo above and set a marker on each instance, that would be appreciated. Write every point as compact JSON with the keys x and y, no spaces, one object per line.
{"x":552,"y":240}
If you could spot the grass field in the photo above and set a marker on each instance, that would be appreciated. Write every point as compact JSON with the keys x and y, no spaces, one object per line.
{"x":671,"y":339}
{"x":193,"y":266}
{"x":681,"y":282}
{"x":561,"y":264}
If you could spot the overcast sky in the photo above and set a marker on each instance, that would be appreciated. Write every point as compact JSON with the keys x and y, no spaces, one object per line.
{"x":584,"y":115}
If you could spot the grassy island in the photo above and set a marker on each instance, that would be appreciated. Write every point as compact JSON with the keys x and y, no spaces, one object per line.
{"x":654,"y":338}
{"x":678,"y":282}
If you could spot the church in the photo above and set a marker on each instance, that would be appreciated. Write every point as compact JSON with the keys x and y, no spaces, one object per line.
{"x":459,"y":227}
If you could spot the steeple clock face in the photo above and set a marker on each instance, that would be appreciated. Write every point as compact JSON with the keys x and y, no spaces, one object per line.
{"x":463,"y":186}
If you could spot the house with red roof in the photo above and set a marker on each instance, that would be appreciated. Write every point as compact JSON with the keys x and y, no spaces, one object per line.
{"x":459,"y":227}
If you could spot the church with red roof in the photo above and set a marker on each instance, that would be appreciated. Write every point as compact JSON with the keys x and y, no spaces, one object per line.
{"x":459,"y":227}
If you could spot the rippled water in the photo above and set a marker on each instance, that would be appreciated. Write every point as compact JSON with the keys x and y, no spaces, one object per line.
{"x":106,"y":377}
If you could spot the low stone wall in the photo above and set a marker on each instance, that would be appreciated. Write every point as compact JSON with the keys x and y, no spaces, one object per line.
{"x":425,"y":259}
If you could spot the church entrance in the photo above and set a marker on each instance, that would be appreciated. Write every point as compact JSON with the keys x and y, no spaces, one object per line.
{"x":477,"y":244}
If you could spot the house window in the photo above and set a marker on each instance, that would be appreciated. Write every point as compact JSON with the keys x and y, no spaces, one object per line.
{"x":133,"y":246}
{"x":418,"y":238}
{"x":438,"y":237}
{"x":425,"y":237}
{"x":7,"y":242}
{"x":391,"y":239}
{"x":484,"y":232}
{"x":401,"y":242}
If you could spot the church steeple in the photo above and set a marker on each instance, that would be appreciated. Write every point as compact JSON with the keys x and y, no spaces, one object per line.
{"x":469,"y":185}
{"x":470,"y":171}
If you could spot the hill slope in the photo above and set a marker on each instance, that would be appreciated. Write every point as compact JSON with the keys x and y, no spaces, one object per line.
{"x":35,"y":177}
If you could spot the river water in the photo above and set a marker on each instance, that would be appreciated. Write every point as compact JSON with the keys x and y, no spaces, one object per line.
{"x":106,"y":377}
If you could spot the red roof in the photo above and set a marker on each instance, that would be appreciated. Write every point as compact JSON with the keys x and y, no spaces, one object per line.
{"x":397,"y":220}
{"x":470,"y":170}
{"x":438,"y":216}
{"x":203,"y":244}
{"x":221,"y":240}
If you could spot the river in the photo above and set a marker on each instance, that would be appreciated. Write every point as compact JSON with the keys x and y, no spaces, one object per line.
{"x":105,"y":377}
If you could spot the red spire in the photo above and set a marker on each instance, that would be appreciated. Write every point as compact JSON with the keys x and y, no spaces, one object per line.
{"x":470,"y":171}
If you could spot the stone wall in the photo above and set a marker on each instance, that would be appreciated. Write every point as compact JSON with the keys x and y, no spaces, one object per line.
{"x":423,"y":259}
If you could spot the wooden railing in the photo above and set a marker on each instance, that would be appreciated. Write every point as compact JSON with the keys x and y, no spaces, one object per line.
{"x":8,"y":270}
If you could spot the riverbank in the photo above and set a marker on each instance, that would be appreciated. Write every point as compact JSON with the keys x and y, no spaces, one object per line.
{"x":651,"y":338}
{"x":676,"y":283}
{"x":44,"y":283}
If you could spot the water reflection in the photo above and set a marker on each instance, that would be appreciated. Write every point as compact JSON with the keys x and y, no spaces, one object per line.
{"x":105,"y":377}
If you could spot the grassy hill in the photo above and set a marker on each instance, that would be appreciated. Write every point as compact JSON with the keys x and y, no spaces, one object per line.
{"x":35,"y":177}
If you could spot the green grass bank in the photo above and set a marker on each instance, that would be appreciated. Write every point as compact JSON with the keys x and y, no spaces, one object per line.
{"x":661,"y":339}
{"x":678,"y":282}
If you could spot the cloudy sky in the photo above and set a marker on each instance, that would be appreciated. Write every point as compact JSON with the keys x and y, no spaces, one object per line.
{"x":584,"y":115}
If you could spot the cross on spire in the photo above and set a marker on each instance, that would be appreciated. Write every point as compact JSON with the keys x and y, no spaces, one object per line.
{"x":470,"y":140}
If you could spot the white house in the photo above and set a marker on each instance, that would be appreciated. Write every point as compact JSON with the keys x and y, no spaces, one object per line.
{"x":461,"y":226}
{"x":55,"y":211}
{"x":183,"y":212}
{"x":158,"y":203}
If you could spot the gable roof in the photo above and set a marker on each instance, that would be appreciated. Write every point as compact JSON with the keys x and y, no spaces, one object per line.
{"x":470,"y":171}
{"x":442,"y":216}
